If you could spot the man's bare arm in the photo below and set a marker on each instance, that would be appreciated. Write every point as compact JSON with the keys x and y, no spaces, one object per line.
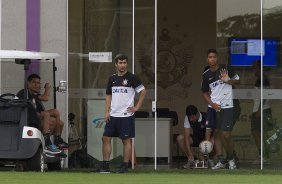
{"x":139,"y":103}
{"x":107,"y":107}
{"x":45,"y":96}
{"x":233,"y":82}
{"x":206,"y":96}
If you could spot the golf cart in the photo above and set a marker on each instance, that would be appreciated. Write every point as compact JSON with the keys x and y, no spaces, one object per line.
{"x":21,"y":141}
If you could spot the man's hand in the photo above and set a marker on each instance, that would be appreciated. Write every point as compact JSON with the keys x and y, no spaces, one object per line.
{"x":47,"y":85}
{"x":216,"y":106}
{"x":107,"y":117}
{"x":132,"y":109}
{"x":45,"y":96}
{"x":224,"y":75}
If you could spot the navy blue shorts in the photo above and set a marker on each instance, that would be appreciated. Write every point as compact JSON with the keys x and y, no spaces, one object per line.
{"x":122,"y":127}
{"x":211,"y":119}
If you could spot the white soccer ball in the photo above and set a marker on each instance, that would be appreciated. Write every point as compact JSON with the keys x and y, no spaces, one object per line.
{"x":206,"y":147}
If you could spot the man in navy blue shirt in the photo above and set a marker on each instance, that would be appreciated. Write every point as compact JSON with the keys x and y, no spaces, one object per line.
{"x":119,"y":111}
{"x":217,"y":91}
{"x":194,"y":134}
{"x":48,"y":126}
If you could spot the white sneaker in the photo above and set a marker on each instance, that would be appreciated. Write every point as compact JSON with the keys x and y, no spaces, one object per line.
{"x":232,"y":164}
{"x":219,"y":165}
{"x":189,"y":164}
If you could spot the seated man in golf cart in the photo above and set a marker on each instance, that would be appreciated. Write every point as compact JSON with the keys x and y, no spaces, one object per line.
{"x":48,"y":124}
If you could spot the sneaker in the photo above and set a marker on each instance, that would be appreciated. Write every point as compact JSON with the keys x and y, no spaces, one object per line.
{"x":59,"y":142}
{"x":62,"y":145}
{"x":51,"y":149}
{"x":123,"y":169}
{"x":49,"y":155}
{"x":189,"y":164}
{"x":219,"y":165}
{"x":104,"y":168}
{"x":232,"y":164}
{"x":61,"y":155}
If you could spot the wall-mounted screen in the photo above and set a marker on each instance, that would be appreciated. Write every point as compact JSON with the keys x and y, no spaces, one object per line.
{"x":244,"y":51}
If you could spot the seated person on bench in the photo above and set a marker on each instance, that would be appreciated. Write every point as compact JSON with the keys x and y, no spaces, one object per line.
{"x":194,"y":134}
{"x":48,"y":126}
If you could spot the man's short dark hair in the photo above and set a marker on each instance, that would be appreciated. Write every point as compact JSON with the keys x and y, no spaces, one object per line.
{"x":33,"y":76}
{"x":191,"y":110}
{"x":211,"y":51}
{"x":120,"y":57}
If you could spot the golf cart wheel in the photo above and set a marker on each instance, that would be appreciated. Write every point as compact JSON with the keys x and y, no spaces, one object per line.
{"x":36,"y":163}
{"x":55,"y":166}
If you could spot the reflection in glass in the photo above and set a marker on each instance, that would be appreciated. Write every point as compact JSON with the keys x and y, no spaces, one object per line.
{"x":271,"y":25}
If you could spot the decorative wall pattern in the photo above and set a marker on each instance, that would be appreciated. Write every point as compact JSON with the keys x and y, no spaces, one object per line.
{"x":175,"y":52}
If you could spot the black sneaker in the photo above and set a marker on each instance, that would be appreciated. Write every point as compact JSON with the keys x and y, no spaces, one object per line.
{"x":61,"y":155}
{"x":123,"y":170}
{"x":104,"y":168}
{"x":59,"y":142}
{"x":62,"y":145}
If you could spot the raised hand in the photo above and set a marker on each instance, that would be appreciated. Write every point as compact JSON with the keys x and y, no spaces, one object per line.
{"x":224,"y":75}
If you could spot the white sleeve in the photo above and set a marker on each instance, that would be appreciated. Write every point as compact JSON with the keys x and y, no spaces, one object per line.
{"x":186,"y":122}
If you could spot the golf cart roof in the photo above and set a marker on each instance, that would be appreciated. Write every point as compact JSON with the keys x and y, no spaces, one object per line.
{"x":17,"y":54}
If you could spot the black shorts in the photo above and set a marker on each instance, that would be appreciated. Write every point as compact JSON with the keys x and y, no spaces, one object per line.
{"x":122,"y":127}
{"x":211,"y":118}
{"x":225,"y":119}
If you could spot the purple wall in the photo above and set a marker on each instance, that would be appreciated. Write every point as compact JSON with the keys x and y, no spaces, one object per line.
{"x":33,"y":31}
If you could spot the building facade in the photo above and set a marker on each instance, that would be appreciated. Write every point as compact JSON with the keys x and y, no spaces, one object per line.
{"x":166,"y":42}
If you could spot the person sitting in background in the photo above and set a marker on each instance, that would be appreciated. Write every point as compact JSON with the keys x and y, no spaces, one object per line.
{"x":194,"y":134}
{"x":48,"y":126}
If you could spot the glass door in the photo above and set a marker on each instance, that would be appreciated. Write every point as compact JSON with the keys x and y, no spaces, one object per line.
{"x":238,"y":42}
{"x":98,"y":31}
{"x":271,"y":82}
{"x":249,"y":39}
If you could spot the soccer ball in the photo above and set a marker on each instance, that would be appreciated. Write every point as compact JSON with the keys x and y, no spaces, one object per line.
{"x":205,"y":147}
